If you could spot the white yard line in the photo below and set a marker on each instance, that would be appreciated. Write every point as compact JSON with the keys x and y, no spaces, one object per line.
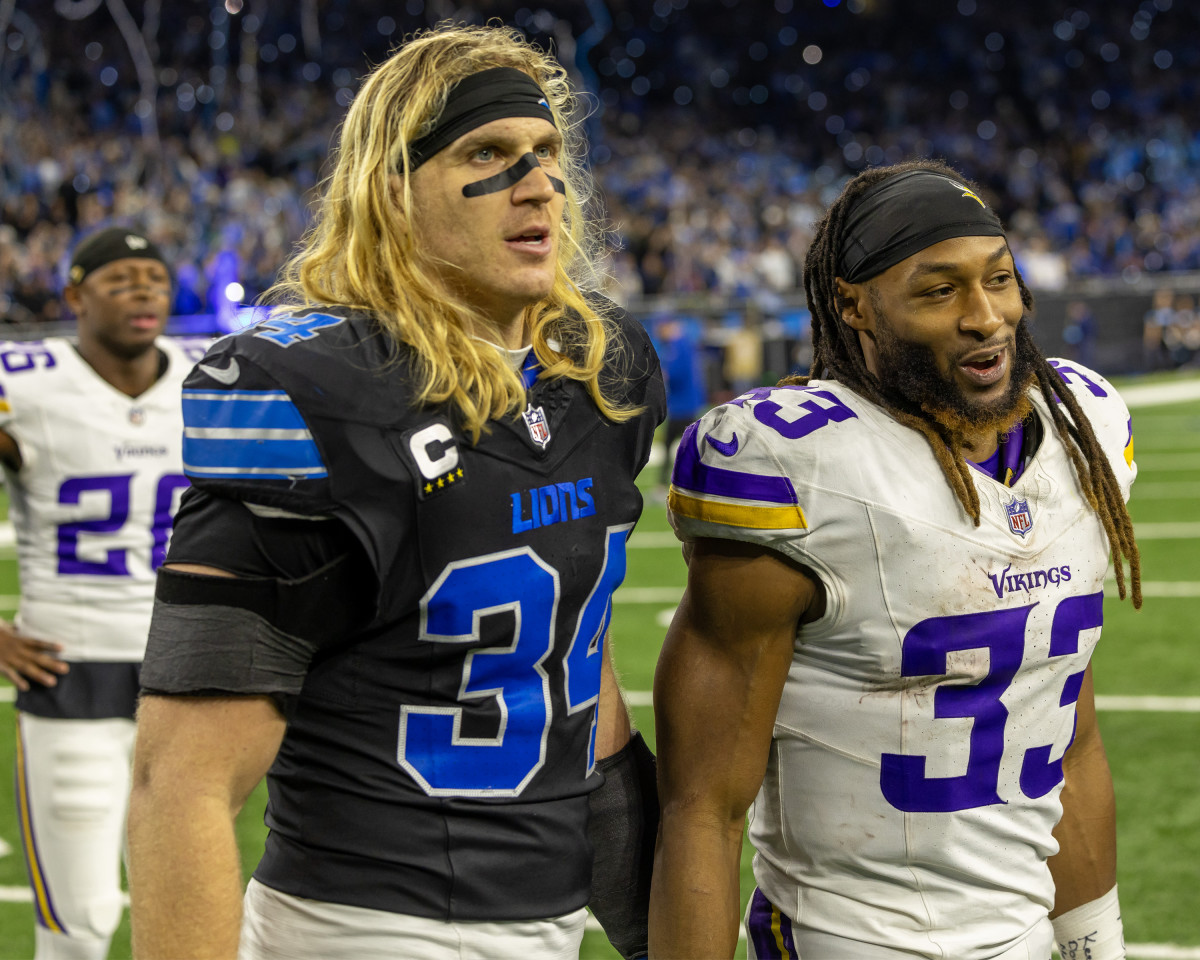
{"x":1148,"y":704}
{"x":1167,"y":490}
{"x":652,"y":595}
{"x":1166,"y":531}
{"x":1165,"y":589}
{"x":1156,"y":394}
{"x":1153,"y":462}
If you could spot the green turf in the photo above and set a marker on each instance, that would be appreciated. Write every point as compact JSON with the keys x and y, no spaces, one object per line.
{"x":1155,"y":756}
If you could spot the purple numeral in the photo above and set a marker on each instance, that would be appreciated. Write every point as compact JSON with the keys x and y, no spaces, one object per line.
{"x":26,"y":359}
{"x":115,"y":563}
{"x":1040,"y":774}
{"x":1002,"y":634}
{"x":1067,"y":373}
{"x":815,"y":416}
{"x":165,"y":504}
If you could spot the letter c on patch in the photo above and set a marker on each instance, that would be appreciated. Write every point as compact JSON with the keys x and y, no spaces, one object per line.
{"x":434,"y":450}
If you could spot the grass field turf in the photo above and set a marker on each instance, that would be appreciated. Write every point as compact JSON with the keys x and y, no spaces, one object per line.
{"x":1155,"y":756}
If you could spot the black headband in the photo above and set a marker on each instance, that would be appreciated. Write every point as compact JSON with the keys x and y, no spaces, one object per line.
{"x":107,"y":245}
{"x":905,"y":214}
{"x":478,"y":99}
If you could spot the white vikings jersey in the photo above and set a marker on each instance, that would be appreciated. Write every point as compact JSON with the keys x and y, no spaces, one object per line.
{"x":92,"y":504}
{"x":916,"y":767}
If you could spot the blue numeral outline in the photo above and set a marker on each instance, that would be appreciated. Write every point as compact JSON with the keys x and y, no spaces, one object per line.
{"x":582,"y":662}
{"x":285,"y":331}
{"x":430,"y":746}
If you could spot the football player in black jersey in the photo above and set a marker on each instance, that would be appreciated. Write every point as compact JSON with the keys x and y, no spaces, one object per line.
{"x":391,"y":585}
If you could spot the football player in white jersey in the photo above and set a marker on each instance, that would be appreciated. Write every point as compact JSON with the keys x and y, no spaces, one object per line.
{"x":895,"y":585}
{"x":90,"y":438}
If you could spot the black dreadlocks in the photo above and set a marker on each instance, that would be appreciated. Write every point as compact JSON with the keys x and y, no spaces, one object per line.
{"x":838,"y":355}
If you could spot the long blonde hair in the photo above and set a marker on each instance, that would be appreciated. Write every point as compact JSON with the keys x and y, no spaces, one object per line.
{"x":355,"y":255}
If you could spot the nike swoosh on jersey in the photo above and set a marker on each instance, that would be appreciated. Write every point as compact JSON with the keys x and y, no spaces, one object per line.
{"x":726,"y":448}
{"x":227,"y":375}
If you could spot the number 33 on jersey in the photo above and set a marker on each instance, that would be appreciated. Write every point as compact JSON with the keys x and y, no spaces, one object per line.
{"x":926,"y":714}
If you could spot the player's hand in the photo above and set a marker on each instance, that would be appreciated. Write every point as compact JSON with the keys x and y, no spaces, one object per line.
{"x":23,"y":658}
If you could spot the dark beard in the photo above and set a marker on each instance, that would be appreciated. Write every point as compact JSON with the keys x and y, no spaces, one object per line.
{"x":913,"y":380}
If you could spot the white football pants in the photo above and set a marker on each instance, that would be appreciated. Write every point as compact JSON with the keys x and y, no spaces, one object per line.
{"x":278,"y":926}
{"x":72,"y":784}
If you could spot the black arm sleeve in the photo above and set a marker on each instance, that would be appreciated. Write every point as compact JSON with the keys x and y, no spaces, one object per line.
{"x":622,"y":829}
{"x":299,"y":586}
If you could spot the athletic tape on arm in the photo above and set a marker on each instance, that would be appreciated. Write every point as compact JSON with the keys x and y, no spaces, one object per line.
{"x":1092,"y":930}
{"x":243,"y":635}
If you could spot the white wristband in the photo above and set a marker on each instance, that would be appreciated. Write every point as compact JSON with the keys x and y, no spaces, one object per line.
{"x":1091,"y":931}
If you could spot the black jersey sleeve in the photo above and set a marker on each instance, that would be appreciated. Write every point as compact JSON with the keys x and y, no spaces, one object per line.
{"x":299,"y":587}
{"x":302,"y":414}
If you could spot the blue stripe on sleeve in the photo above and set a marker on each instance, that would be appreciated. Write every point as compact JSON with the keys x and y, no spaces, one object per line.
{"x":247,"y":434}
{"x":242,"y":409}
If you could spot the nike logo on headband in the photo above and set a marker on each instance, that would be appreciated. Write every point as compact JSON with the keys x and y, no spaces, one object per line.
{"x":510,"y":177}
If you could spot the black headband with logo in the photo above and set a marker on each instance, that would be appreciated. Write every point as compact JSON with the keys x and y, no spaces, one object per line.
{"x":105,"y":246}
{"x":905,"y":214}
{"x":492,"y":94}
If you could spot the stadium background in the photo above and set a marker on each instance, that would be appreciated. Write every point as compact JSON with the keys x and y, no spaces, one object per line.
{"x":719,"y":129}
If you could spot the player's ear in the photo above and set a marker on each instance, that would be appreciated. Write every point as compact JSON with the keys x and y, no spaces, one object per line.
{"x":851,"y":300}
{"x":73,"y":299}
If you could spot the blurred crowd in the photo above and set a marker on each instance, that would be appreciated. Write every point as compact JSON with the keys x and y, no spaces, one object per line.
{"x":719,"y":130}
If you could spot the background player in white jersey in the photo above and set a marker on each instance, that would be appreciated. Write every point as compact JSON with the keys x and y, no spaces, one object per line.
{"x":90,"y":435}
{"x":390,"y":583}
{"x":894,"y":589}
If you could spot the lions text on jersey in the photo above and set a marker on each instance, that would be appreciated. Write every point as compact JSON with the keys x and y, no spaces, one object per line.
{"x":439,"y":757}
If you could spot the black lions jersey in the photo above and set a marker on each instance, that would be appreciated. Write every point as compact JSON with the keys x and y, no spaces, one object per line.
{"x":438,"y":761}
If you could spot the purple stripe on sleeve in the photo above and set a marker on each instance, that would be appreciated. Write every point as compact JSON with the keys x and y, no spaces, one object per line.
{"x":691,"y":473}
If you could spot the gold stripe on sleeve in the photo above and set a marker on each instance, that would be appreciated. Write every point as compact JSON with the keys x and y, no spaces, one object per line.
{"x":752,"y":517}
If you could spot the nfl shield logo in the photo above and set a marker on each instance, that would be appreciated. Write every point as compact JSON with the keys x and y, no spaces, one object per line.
{"x":1020,"y":520}
{"x":539,"y":429}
